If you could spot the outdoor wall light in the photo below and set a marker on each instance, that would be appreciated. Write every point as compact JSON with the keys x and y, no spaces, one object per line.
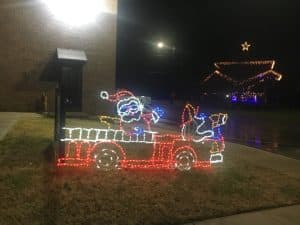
{"x":76,"y":13}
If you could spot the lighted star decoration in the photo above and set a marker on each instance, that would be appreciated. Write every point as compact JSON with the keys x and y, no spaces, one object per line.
{"x":245,"y":46}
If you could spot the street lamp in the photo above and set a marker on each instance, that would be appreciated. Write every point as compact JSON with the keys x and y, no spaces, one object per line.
{"x":160,"y":44}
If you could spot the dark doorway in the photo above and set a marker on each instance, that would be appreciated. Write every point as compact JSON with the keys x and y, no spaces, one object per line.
{"x":72,"y":88}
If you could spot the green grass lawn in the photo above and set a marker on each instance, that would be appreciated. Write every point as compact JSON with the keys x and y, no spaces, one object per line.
{"x":34,"y":191}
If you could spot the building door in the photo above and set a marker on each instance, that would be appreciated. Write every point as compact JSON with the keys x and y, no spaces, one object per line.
{"x":72,"y":88}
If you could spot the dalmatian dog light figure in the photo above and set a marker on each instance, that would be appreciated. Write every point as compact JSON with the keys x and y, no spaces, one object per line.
{"x":198,"y":126}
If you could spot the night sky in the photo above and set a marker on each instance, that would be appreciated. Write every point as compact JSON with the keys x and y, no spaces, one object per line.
{"x":203,"y":32}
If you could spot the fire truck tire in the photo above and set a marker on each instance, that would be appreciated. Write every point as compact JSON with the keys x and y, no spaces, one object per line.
{"x":107,"y":156}
{"x":107,"y":159}
{"x":184,"y":160}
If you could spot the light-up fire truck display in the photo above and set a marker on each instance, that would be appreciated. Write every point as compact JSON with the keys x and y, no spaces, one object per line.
{"x":199,"y":145}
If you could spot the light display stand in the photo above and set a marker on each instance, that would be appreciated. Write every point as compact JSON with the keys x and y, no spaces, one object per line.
{"x":66,"y":61}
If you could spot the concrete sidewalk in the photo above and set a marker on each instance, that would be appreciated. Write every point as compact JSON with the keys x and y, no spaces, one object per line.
{"x":280,"y":216}
{"x":8,"y":119}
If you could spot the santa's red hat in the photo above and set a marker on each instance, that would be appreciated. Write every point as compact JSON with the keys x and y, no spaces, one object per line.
{"x":117,"y":96}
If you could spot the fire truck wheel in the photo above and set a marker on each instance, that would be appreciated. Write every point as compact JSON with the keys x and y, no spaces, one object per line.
{"x":107,"y":159}
{"x":184,"y":160}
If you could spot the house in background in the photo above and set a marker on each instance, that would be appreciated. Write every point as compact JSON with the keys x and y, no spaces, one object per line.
{"x":30,"y":36}
{"x":244,"y":82}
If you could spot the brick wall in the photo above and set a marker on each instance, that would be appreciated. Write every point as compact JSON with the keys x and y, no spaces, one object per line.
{"x":29,"y":37}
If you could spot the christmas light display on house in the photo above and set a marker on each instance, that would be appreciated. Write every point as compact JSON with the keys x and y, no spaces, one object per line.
{"x":199,"y":145}
{"x":243,"y":81}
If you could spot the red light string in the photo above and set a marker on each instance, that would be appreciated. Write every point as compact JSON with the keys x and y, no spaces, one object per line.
{"x":104,"y":148}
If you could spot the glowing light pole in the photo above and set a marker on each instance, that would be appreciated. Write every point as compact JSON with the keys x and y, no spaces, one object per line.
{"x":169,"y":62}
